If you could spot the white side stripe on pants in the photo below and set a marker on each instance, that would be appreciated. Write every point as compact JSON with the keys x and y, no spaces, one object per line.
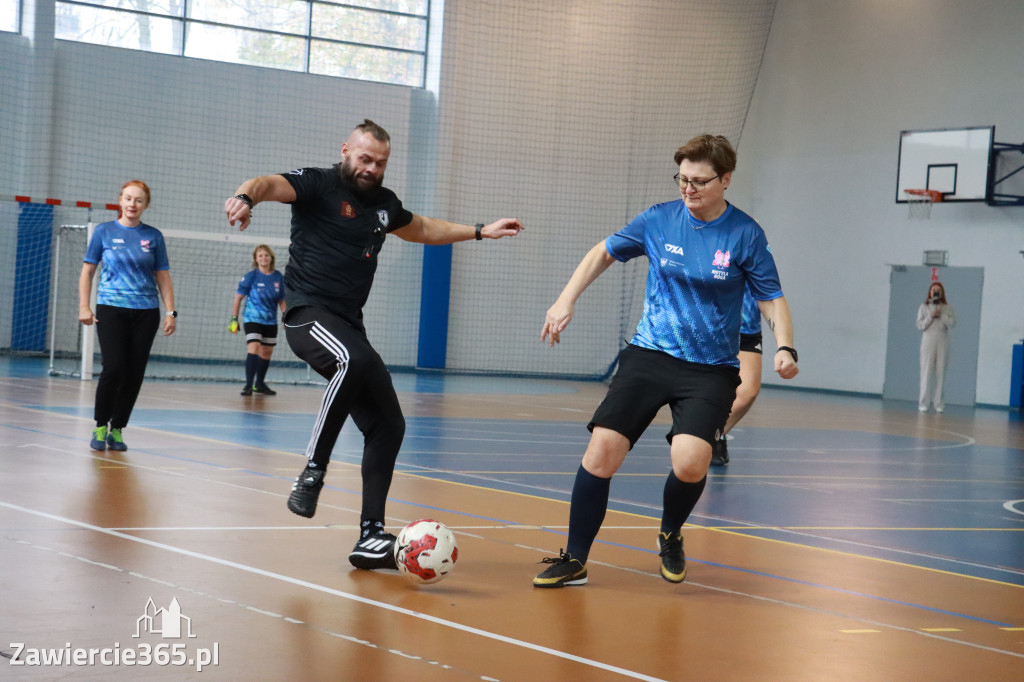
{"x":338,"y":350}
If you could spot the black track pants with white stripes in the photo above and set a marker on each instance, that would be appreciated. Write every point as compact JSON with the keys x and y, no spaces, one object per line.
{"x":359,"y":385}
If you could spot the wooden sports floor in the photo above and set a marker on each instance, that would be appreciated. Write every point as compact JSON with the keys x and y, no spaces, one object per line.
{"x":848,"y":539}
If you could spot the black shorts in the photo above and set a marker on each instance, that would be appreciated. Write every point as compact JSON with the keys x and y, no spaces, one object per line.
{"x":751,"y":343}
{"x":700,"y":396}
{"x":264,"y":334}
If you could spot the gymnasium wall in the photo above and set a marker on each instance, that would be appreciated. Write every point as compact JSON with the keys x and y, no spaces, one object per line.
{"x":818,"y":162}
{"x":565,"y":115}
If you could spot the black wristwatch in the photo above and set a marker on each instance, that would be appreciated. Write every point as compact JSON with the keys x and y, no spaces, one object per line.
{"x":479,"y":234}
{"x":245,"y":199}
{"x":791,"y":351}
{"x":172,"y":313}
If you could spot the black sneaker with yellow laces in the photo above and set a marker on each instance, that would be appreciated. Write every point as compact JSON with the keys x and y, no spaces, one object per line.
{"x":673,"y":560}
{"x":564,"y":570}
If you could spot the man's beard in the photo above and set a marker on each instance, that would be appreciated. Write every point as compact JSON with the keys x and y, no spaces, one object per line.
{"x":348,"y":176}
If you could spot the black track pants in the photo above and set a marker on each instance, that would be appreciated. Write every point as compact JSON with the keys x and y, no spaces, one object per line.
{"x":359,"y":384}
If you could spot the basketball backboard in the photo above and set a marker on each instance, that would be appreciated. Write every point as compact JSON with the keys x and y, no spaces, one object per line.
{"x":953,"y":161}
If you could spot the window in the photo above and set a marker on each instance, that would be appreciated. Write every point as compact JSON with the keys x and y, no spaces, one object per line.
{"x":377,"y":40}
{"x":9,"y":15}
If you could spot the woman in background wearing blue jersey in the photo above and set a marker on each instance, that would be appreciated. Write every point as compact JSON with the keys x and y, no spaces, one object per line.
{"x":750,"y":375}
{"x":702,"y":252}
{"x":263,"y":289}
{"x":134,"y":276}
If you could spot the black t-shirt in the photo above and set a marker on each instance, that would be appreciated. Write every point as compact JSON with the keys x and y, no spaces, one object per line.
{"x":335,"y":238}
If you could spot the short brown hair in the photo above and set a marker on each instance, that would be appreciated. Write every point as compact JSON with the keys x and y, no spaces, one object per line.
{"x":137,"y":183}
{"x":264,"y":247}
{"x":715,"y":149}
{"x":368,"y":126}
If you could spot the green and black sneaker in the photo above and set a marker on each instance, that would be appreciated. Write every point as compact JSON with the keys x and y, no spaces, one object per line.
{"x":99,"y":438}
{"x":115,"y":442}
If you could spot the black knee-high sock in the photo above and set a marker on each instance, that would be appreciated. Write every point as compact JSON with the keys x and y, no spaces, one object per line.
{"x":251,"y":362}
{"x":586,"y":513}
{"x":261,"y":370}
{"x":679,"y":499}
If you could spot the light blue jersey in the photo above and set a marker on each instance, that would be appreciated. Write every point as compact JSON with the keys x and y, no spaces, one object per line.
{"x":263,"y":294}
{"x":698,"y":273}
{"x":130,"y":257}
{"x":751,"y":321}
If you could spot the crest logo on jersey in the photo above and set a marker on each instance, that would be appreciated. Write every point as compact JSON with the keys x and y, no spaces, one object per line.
{"x":383,"y":217}
{"x":144,"y":243}
{"x":721,"y":259}
{"x":347,"y":211}
{"x":672,"y":248}
{"x":664,"y":262}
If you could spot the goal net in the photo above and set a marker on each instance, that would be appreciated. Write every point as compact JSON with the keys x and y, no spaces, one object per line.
{"x":564,"y":115}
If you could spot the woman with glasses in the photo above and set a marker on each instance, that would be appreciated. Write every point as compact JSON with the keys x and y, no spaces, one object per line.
{"x":703,"y":252}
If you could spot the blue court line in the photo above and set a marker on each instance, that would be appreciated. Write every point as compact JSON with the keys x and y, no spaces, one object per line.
{"x":806,"y":583}
{"x":513,"y":523}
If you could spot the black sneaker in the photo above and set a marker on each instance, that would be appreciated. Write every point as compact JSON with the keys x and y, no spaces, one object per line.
{"x":306,"y":491}
{"x":673,"y":561}
{"x":375,"y":548}
{"x":719,"y":453}
{"x":264,"y":390}
{"x":564,"y":570}
{"x":247,"y":390}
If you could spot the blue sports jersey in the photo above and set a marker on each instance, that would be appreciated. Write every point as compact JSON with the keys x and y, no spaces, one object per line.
{"x":130,"y":257}
{"x":751,"y":319}
{"x":262,"y":293}
{"x":698,"y":273}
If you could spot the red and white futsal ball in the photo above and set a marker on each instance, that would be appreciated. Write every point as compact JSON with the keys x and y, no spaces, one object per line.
{"x":426,"y":551}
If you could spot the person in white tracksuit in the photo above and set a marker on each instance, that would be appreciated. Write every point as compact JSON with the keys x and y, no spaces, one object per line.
{"x":934,"y":318}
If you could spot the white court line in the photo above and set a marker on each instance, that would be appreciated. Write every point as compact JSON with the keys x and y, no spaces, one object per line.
{"x":1011,"y":506}
{"x":338,"y":593}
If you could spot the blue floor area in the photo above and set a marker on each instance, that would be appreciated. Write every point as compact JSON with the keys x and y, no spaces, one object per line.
{"x":949,"y":504}
{"x":404,"y":381}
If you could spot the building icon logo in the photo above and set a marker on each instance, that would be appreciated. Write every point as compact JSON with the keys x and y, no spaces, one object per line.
{"x":164,"y":622}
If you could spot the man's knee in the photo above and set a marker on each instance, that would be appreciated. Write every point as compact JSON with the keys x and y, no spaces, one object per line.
{"x":605,"y":453}
{"x":691,"y":457}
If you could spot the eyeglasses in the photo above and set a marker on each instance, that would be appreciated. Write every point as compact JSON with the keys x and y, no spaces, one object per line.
{"x":696,"y":184}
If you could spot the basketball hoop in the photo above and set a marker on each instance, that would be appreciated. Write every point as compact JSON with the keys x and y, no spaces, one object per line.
{"x":920,"y":202}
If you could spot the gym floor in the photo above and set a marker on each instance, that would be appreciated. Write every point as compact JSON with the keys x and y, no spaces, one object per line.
{"x":848,"y":538}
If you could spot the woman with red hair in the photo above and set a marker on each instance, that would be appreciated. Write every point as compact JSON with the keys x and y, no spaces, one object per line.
{"x":134,"y":277}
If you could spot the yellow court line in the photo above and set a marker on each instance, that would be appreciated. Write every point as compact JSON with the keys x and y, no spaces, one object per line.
{"x":716,"y":529}
{"x":1011,"y":530}
{"x":870,"y":558}
{"x":546,"y":499}
{"x":781,"y":477}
